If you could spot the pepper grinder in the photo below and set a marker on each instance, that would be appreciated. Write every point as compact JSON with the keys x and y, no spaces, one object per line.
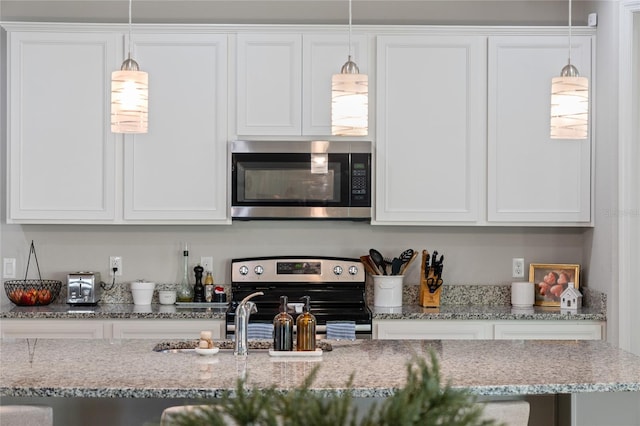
{"x":198,"y":289}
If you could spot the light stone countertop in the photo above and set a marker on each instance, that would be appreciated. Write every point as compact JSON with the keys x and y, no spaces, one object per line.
{"x":487,"y":312}
{"x":472,"y":302}
{"x":407,"y":312}
{"x":131,"y":369}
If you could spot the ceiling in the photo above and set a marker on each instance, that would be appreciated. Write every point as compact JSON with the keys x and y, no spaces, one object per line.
{"x":434,"y":12}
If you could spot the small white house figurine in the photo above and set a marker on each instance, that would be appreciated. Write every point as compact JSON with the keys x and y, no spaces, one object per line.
{"x":571,"y":298}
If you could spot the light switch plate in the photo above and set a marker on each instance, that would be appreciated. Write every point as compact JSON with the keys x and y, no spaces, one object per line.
{"x":592,"y":20}
{"x":8,"y":267}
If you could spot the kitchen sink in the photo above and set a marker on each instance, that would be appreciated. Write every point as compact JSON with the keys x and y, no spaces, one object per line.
{"x":180,"y":346}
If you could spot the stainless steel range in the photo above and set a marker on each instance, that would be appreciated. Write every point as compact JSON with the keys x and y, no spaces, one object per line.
{"x":336,"y":286}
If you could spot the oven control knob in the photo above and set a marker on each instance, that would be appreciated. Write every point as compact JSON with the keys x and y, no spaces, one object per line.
{"x":244,"y":270}
{"x":353,"y":270}
{"x":337,"y":270}
{"x":259,"y":270}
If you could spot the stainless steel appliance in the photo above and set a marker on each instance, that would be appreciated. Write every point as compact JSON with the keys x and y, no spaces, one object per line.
{"x":335,"y":285}
{"x":301,"y":180}
{"x":83,"y":288}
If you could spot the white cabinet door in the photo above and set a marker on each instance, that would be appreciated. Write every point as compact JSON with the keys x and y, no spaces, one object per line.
{"x":177,"y":171}
{"x":429,"y":329}
{"x":322,"y":56}
{"x":167,"y":329}
{"x":52,"y":329}
{"x":430,"y":127}
{"x":61,"y":152}
{"x":269,"y":76}
{"x":532,"y":178}
{"x":559,"y":330}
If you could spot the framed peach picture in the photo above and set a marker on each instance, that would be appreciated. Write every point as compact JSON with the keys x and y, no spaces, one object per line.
{"x":551,"y":279}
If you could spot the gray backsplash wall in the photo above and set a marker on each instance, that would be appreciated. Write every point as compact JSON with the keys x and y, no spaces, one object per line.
{"x":472,"y":255}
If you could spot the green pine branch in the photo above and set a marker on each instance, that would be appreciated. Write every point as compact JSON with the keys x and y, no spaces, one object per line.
{"x":422,"y":401}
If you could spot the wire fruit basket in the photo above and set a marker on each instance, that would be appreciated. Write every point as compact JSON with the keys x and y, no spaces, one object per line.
{"x":32,"y":292}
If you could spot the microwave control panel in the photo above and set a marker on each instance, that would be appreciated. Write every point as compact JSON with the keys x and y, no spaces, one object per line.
{"x":360,"y":179}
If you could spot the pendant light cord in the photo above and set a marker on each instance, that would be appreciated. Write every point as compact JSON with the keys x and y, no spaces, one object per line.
{"x":569,"y":31}
{"x":130,"y":1}
{"x":349,"y":29}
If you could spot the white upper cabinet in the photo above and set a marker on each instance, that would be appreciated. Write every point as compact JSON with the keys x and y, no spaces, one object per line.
{"x":61,"y":152}
{"x":532,"y":178}
{"x":283,"y":82}
{"x":461,"y":128}
{"x":177,"y":171}
{"x":269,"y":76}
{"x":65,"y":164}
{"x":430,"y":128}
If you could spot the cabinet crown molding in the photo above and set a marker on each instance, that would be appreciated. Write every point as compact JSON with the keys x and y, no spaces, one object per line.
{"x":262,"y":28}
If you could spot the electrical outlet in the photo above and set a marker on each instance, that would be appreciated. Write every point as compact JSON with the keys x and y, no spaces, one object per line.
{"x":9,"y":267}
{"x":115,"y":262}
{"x":517,"y":267}
{"x":207,"y":263}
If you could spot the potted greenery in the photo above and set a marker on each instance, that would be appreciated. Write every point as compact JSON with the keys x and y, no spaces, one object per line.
{"x":422,"y":401}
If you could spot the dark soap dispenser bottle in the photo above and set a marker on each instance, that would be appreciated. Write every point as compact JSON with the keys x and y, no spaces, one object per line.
{"x":306,"y":327}
{"x":283,"y":328}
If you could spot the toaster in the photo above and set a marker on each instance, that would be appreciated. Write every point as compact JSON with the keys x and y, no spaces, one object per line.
{"x":83,"y":288}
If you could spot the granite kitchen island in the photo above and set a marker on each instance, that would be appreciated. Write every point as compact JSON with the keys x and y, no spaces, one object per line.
{"x":121,"y":379}
{"x":132,"y":369}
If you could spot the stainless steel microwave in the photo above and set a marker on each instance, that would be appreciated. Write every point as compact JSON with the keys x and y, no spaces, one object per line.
{"x":300,"y":180}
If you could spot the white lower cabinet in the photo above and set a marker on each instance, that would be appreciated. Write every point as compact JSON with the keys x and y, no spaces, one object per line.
{"x":427,"y":329}
{"x":166,"y":329}
{"x":110,"y":329}
{"x":53,"y":329}
{"x":569,"y":330}
{"x":495,"y":330}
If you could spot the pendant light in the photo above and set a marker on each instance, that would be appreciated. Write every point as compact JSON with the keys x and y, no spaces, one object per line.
{"x":569,"y":101}
{"x":349,"y":98}
{"x":129,"y":95}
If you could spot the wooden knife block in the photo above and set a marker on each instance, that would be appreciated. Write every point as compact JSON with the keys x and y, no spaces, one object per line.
{"x":428,"y":299}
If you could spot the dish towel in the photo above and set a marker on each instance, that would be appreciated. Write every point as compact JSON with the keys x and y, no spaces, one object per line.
{"x":260,"y":330}
{"x":341,"y":330}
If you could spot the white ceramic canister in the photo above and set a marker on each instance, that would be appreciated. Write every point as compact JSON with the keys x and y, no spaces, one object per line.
{"x":522,"y":294}
{"x":142,"y":292}
{"x":387,"y":291}
{"x":167,"y":297}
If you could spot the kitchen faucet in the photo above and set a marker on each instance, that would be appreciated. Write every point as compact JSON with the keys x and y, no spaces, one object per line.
{"x":243,"y":312}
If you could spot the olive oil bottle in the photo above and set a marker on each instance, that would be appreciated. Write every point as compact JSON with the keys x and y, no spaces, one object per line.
{"x":306,"y":328}
{"x":283,"y":328}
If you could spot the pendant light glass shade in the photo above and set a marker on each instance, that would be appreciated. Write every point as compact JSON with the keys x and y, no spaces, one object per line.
{"x":129,"y":96}
{"x":569,"y":108}
{"x":349,"y":104}
{"x":349,"y":98}
{"x":569,"y":101}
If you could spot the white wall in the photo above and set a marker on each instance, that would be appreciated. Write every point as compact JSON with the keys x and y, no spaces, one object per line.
{"x":472,"y":255}
{"x":601,"y":242}
{"x":433,"y":12}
